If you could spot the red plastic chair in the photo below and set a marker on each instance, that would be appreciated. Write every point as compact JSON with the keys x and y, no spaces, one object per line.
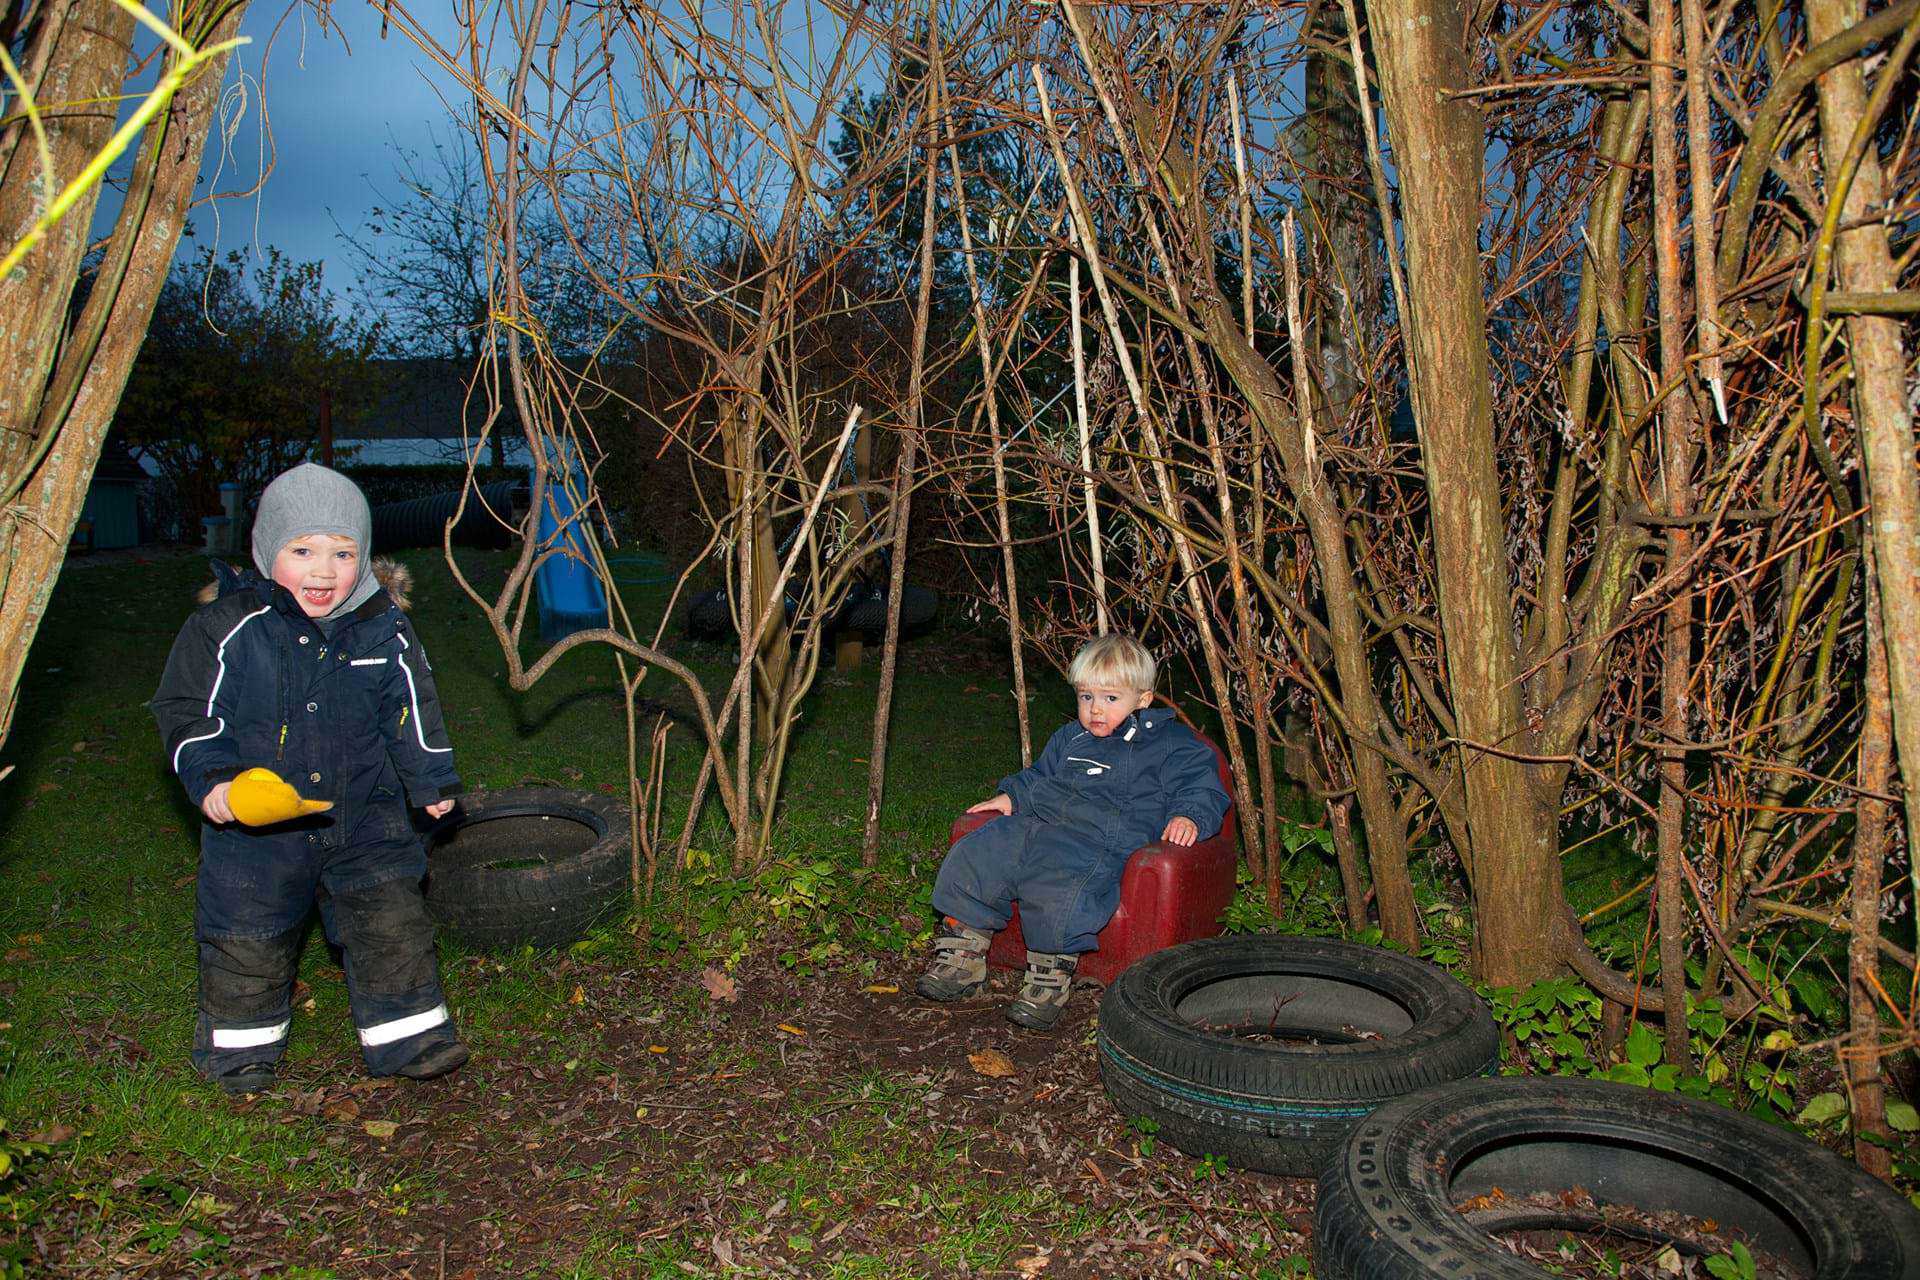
{"x":1168,"y":895}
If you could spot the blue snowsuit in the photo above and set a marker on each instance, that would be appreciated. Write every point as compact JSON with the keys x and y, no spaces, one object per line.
{"x":348,"y":714}
{"x":1079,"y":812}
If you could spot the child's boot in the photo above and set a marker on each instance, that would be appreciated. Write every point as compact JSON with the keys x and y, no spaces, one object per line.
{"x":1043,"y":995}
{"x":959,"y":964}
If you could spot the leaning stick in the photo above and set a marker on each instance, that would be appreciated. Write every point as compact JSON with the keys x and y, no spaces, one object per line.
{"x":990,"y":371}
{"x":1086,"y":452}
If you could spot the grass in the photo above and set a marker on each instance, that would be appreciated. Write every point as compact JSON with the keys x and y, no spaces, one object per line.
{"x":98,"y":850}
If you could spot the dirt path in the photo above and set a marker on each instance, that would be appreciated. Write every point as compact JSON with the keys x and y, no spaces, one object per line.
{"x":827,"y":1126}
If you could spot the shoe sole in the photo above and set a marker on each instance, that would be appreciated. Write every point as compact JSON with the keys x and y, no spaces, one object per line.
{"x":943,"y":994}
{"x":240,"y":1089}
{"x":1022,"y":1016}
{"x":452,"y":1062}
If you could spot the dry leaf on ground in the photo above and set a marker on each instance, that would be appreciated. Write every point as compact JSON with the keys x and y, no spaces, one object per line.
{"x":381,"y":1129}
{"x":719,"y":985}
{"x":992,"y":1062}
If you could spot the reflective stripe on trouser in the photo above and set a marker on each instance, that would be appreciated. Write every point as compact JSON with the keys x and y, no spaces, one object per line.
{"x":393,"y":982}
{"x":246,"y":989}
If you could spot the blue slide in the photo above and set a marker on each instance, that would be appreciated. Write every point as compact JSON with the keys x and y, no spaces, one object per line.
{"x":571,"y":597}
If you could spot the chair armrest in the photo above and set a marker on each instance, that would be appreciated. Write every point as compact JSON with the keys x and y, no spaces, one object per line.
{"x":967,"y":824}
{"x":1158,"y":853}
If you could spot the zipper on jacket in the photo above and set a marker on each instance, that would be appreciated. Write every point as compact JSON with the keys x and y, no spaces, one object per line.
{"x":280,"y":749}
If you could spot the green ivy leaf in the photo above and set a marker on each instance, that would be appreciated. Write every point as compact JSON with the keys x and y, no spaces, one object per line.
{"x":1902,"y":1116}
{"x":1822,"y":1108}
{"x":1643,"y":1047}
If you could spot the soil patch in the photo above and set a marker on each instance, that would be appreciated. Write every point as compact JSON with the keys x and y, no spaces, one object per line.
{"x":756,"y":1122}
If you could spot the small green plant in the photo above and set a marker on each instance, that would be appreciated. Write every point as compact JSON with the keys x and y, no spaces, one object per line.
{"x":1553,"y":1022}
{"x":1210,"y":1166}
{"x":1736,"y":1265}
{"x":1146,"y":1129}
{"x":16,"y":1211}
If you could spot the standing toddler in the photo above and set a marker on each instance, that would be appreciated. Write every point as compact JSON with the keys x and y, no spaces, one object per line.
{"x":310,"y":668}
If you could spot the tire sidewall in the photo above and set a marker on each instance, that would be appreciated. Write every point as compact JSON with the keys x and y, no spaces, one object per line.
{"x":1386,"y":1210}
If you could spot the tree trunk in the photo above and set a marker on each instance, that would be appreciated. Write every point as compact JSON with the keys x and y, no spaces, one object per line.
{"x":1872,"y":819}
{"x":1341,"y":227}
{"x":48,"y":447}
{"x":1438,"y":149}
{"x":1676,"y":455}
{"x":1879,"y":396}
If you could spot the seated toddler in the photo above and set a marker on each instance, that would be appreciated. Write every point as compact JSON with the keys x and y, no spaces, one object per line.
{"x":1122,"y":775}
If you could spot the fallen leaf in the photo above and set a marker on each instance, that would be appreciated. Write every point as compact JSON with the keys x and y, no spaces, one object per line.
{"x":53,"y":1136}
{"x":1032,"y":1266}
{"x":78,"y":747}
{"x":656,"y":1048}
{"x":883,"y":989}
{"x":791,"y":1030}
{"x":381,"y":1129}
{"x":1668,"y":1260}
{"x":342,"y":1109}
{"x":579,"y":995}
{"x":992,"y":1062}
{"x":719,"y":985}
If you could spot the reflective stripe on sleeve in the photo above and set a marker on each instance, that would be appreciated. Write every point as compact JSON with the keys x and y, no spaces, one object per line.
{"x":219,"y":676}
{"x":413,"y":693}
{"x":400,"y":1028}
{"x":249,"y":1037}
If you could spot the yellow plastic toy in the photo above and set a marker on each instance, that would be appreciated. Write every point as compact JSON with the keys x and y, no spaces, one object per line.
{"x":259,"y":798}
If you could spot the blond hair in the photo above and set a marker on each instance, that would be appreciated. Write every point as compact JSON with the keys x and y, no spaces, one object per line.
{"x":1117,"y":661}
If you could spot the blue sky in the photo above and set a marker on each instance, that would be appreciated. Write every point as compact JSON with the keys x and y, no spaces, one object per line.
{"x":334,"y":119}
{"x":329,"y":130}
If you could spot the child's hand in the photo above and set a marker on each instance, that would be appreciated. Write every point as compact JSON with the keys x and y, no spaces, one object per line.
{"x":214,"y":803}
{"x":439,"y":808}
{"x":1002,"y":803}
{"x":1181,"y":831}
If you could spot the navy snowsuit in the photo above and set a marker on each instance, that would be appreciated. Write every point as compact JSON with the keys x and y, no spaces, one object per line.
{"x":349,"y":714}
{"x":1079,"y":812}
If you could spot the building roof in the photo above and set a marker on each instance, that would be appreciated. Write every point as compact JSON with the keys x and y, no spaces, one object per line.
{"x":425,"y":399}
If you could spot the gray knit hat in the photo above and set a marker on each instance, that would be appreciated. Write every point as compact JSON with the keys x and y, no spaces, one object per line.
{"x":311,"y":499}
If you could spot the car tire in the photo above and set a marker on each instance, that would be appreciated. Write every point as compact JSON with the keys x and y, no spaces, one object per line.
{"x":1386,"y":1208}
{"x":527,"y":866}
{"x":1266,"y":1051}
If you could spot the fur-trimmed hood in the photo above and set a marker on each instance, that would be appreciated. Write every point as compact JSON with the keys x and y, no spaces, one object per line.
{"x":393,"y":576}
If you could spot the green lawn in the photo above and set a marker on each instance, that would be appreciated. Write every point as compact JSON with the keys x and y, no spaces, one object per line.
{"x":151,"y":1170}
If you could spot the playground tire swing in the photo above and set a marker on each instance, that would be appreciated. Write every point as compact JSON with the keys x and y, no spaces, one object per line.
{"x":528,"y":866}
{"x":1267,"y":1051}
{"x":1425,"y":1183}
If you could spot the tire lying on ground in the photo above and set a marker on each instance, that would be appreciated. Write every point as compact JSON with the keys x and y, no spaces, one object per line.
{"x":1387,"y":1200}
{"x":531,"y":866}
{"x":1266,"y":1051}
